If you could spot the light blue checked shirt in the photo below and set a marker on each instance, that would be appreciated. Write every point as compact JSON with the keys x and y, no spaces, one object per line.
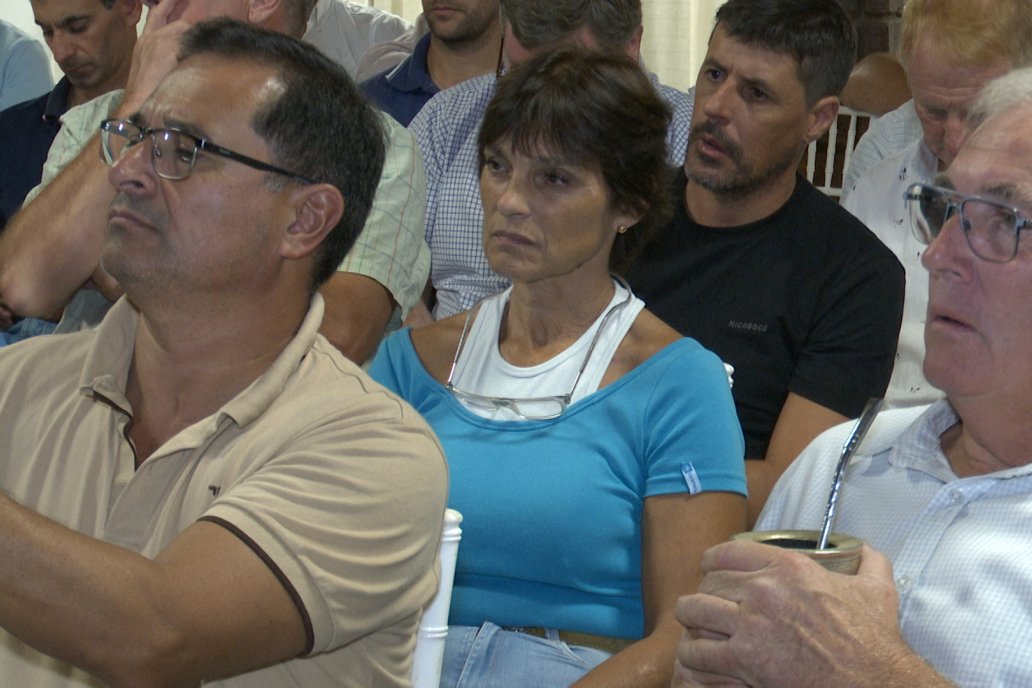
{"x":961,"y":548}
{"x":446,"y":130}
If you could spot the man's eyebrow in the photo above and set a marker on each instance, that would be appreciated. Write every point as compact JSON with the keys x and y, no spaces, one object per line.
{"x":713,"y":63}
{"x":191,"y":128}
{"x":65,"y":22}
{"x":1015,"y":194}
{"x":746,"y":80}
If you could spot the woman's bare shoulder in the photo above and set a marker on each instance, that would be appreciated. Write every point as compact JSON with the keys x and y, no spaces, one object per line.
{"x":435,"y":344}
{"x":647,"y":336}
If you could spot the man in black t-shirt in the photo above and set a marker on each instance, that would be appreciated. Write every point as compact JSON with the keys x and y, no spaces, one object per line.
{"x":759,"y":266}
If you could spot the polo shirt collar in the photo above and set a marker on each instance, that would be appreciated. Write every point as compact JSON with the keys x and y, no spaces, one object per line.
{"x":263,"y":392}
{"x":413,"y":74}
{"x":106,"y":368}
{"x":105,"y":372}
{"x":57,"y":101}
{"x":918,"y":447}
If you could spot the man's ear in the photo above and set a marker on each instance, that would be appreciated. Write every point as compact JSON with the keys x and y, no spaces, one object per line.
{"x":133,"y":10}
{"x":261,"y":12}
{"x":319,"y":208}
{"x":822,"y":114}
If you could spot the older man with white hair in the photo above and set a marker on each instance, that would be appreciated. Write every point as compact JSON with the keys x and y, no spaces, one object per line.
{"x":942,"y":494}
{"x":951,"y":50}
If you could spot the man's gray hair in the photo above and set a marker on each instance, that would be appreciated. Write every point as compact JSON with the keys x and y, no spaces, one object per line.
{"x":1011,"y":90}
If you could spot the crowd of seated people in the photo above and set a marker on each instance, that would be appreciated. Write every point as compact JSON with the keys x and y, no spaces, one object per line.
{"x":260,"y":323}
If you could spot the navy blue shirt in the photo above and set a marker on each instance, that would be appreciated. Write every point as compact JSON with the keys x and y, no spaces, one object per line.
{"x":402,"y":92}
{"x":26,"y":132}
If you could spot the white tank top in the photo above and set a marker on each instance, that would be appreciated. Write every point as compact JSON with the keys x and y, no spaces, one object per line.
{"x":481,"y":369}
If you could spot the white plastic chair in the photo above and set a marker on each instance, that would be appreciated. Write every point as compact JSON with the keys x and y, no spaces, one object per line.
{"x":834,"y":165}
{"x":433,"y":626}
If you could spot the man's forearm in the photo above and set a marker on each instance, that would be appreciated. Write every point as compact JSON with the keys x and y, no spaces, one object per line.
{"x":53,"y":245}
{"x":133,"y":621}
{"x":60,"y":590}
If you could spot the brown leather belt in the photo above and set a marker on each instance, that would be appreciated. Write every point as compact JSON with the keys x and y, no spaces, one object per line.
{"x":597,"y":642}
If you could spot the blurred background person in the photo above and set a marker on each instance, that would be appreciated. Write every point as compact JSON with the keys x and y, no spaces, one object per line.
{"x":464,"y":41}
{"x":946,"y":68}
{"x":24,"y":68}
{"x":92,"y":42}
{"x":345,"y":31}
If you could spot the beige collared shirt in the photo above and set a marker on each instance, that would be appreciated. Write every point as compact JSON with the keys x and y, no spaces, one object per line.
{"x":336,"y":483}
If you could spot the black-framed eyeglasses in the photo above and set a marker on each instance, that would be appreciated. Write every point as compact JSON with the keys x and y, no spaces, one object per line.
{"x":528,"y":408}
{"x":173,"y":152}
{"x":992,"y":228}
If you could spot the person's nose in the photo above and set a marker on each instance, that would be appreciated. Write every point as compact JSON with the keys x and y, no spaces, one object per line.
{"x":949,"y":251}
{"x":513,"y":197}
{"x":133,"y":171}
{"x":61,"y":47}
{"x":717,"y":102}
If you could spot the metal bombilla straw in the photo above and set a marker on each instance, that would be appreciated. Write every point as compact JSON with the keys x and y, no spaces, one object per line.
{"x":863,"y":424}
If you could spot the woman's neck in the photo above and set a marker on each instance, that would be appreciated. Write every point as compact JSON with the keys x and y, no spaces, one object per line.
{"x":543,"y":319}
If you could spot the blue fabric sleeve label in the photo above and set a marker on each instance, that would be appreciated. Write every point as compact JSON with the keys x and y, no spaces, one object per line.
{"x":691,"y":478}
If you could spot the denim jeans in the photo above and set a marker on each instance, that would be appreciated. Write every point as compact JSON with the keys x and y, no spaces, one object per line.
{"x":491,"y":657}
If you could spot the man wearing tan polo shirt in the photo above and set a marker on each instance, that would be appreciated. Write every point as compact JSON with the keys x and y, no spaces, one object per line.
{"x":204,"y":490}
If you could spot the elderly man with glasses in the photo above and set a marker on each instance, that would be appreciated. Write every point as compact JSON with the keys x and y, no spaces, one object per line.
{"x":942,"y":494}
{"x":241,"y":506}
{"x":951,"y":49}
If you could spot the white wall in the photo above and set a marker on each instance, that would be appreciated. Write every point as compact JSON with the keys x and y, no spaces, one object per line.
{"x":675,"y":38}
{"x":19,"y":13}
